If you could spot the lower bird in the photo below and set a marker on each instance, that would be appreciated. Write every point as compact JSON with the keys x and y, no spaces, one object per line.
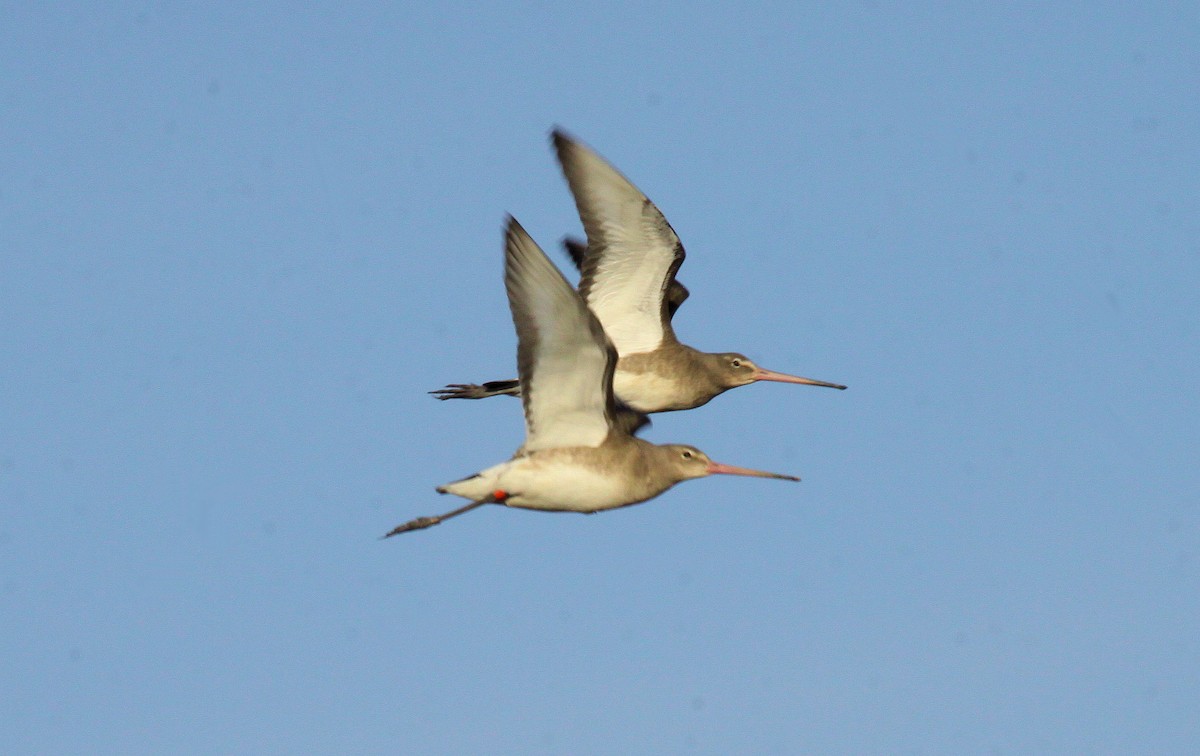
{"x":577,"y":456}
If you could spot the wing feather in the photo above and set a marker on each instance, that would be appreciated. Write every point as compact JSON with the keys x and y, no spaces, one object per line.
{"x":632,"y":253}
{"x":564,"y":359}
{"x":577,"y":251}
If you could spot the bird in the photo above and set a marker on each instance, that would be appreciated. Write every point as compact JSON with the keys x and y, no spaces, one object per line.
{"x":576,"y":457}
{"x":628,"y":280}
{"x":575,"y":249}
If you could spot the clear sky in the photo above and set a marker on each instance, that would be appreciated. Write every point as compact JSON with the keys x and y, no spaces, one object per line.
{"x":238,"y":245}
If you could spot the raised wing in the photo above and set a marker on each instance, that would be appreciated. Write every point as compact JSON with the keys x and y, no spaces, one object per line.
{"x":564,"y":360}
{"x":676,"y":292}
{"x":632,"y":252}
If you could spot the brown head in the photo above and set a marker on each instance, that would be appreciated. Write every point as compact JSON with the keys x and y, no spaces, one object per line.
{"x":686,"y":462}
{"x":730,"y":370}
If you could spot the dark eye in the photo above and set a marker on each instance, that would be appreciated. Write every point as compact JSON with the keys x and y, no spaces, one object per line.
{"x":736,"y":362}
{"x":687,"y":454}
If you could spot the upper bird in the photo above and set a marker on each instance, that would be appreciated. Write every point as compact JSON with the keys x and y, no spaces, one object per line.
{"x":628,"y":280}
{"x":576,"y":457}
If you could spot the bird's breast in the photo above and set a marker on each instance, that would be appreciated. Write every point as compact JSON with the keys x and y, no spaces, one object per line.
{"x":565,"y":482}
{"x":648,"y":391}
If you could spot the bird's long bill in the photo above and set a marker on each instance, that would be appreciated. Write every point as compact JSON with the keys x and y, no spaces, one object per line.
{"x":716,"y":468}
{"x":771,"y":375}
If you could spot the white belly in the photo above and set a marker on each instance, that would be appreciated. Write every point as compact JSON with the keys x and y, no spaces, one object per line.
{"x":548,"y":483}
{"x":646,"y":392}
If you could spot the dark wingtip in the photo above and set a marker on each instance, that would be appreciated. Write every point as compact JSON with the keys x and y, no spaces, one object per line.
{"x":562,"y":140}
{"x":513,"y":230}
{"x":575,"y":249}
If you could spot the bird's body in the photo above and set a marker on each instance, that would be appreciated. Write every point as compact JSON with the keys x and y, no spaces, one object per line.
{"x":578,"y":456}
{"x":672,"y":377}
{"x":628,"y":281}
{"x":619,"y":472}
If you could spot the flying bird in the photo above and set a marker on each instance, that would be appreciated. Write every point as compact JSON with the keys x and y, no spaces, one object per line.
{"x":576,"y":456}
{"x":628,"y":280}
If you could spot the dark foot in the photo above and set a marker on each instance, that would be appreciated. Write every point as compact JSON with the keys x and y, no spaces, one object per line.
{"x":424,"y":522}
{"x":461,"y":391}
{"x":418,"y":524}
{"x":475,"y":391}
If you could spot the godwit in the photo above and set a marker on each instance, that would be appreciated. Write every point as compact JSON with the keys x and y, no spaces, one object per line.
{"x":628,"y":281}
{"x":576,"y":458}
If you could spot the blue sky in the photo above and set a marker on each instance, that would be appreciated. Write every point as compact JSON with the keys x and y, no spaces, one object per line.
{"x":238,"y":245}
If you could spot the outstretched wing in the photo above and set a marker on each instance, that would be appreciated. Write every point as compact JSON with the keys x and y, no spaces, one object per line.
{"x":676,"y":292}
{"x":632,"y":254}
{"x":564,"y":359}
